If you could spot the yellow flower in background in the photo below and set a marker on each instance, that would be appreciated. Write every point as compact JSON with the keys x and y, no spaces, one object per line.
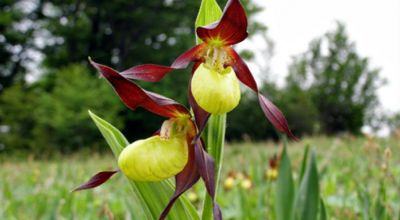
{"x":272,"y":174}
{"x":229,"y":183}
{"x":192,"y":196}
{"x":246,"y":184}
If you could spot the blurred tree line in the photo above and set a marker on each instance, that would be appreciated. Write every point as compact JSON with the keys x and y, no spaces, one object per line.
{"x":46,"y":85}
{"x":330,"y":89}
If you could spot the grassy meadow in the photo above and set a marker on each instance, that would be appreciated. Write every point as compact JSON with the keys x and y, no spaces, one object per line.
{"x":360,"y":178}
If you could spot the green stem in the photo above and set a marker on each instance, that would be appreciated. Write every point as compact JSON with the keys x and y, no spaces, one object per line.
{"x":215,"y":138}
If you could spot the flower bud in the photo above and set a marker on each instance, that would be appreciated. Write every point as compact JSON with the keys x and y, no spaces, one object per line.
{"x":217,"y":92}
{"x":154,"y":158}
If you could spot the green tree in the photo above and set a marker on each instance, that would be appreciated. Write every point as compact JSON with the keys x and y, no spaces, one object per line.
{"x":119,"y":33}
{"x":394,"y":123}
{"x":341,"y":83}
{"x":51,"y":115}
{"x":16,"y":42}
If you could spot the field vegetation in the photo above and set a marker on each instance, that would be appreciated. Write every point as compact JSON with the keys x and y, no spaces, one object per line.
{"x":359,"y":180}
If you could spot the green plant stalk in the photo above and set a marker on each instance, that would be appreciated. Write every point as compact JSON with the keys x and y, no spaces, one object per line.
{"x":215,"y":138}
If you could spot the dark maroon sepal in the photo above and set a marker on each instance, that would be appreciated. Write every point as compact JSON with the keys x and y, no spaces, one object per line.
{"x":230,"y":29}
{"x":147,"y":72}
{"x":241,"y":70}
{"x":133,"y":96}
{"x":275,"y":116}
{"x":192,"y":55}
{"x":206,"y":168}
{"x":96,"y":180}
{"x":217,"y":212}
{"x":184,"y":180}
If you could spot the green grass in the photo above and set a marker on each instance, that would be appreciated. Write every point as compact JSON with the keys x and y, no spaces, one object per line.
{"x":350,"y":168}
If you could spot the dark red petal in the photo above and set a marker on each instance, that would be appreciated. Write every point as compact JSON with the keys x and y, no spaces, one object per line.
{"x":231,"y":28}
{"x":154,"y":73}
{"x":205,"y":164}
{"x":200,"y":115}
{"x":217,"y":212}
{"x":193,"y":54}
{"x":133,"y":96}
{"x":206,"y":168}
{"x":275,"y":116}
{"x":184,"y":180}
{"x":241,"y":69}
{"x":147,"y":72}
{"x":96,"y":180}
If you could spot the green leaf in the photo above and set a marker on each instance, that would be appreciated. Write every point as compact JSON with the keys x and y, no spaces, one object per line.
{"x":209,"y":13}
{"x":365,"y":202}
{"x":152,"y":196}
{"x":285,"y":191}
{"x":322,"y":211}
{"x":304,"y":163}
{"x":380,"y":209}
{"x":307,"y":198}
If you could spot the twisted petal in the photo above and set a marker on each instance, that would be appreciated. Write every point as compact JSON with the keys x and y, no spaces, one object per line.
{"x":133,"y":96}
{"x":272,"y":113}
{"x":275,"y":116}
{"x":155,"y":73}
{"x":184,"y":180}
{"x":230,"y":29}
{"x":147,"y":72}
{"x":206,"y":168}
{"x":193,"y":54}
{"x":242,"y":70}
{"x":96,"y":180}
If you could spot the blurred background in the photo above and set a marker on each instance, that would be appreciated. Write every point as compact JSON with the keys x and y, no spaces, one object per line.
{"x":331,"y":66}
{"x":322,"y":83}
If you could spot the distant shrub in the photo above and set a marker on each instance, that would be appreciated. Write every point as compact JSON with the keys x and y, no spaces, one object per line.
{"x":51,"y":114}
{"x":340,"y":83}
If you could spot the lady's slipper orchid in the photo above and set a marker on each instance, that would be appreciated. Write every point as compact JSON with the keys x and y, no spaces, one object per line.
{"x":218,"y":69}
{"x":175,"y":150}
{"x":154,"y":159}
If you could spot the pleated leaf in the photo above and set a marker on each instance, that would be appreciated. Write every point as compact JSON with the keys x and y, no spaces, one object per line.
{"x":307,"y":198}
{"x":322,"y":211}
{"x":285,"y":191}
{"x":304,"y":163}
{"x":153,"y":196}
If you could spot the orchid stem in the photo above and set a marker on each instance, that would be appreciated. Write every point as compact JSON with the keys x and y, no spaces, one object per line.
{"x":215,"y":138}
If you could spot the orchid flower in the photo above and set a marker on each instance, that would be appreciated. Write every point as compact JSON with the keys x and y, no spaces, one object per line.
{"x":176,"y":150}
{"x":217,"y":71}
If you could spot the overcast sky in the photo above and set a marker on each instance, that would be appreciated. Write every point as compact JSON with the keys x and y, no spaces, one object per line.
{"x":373,"y":25}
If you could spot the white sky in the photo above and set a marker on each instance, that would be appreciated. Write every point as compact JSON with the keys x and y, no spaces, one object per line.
{"x":373,"y":25}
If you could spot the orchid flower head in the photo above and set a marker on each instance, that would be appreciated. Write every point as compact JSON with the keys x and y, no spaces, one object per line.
{"x":217,"y":70}
{"x":176,"y":150}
